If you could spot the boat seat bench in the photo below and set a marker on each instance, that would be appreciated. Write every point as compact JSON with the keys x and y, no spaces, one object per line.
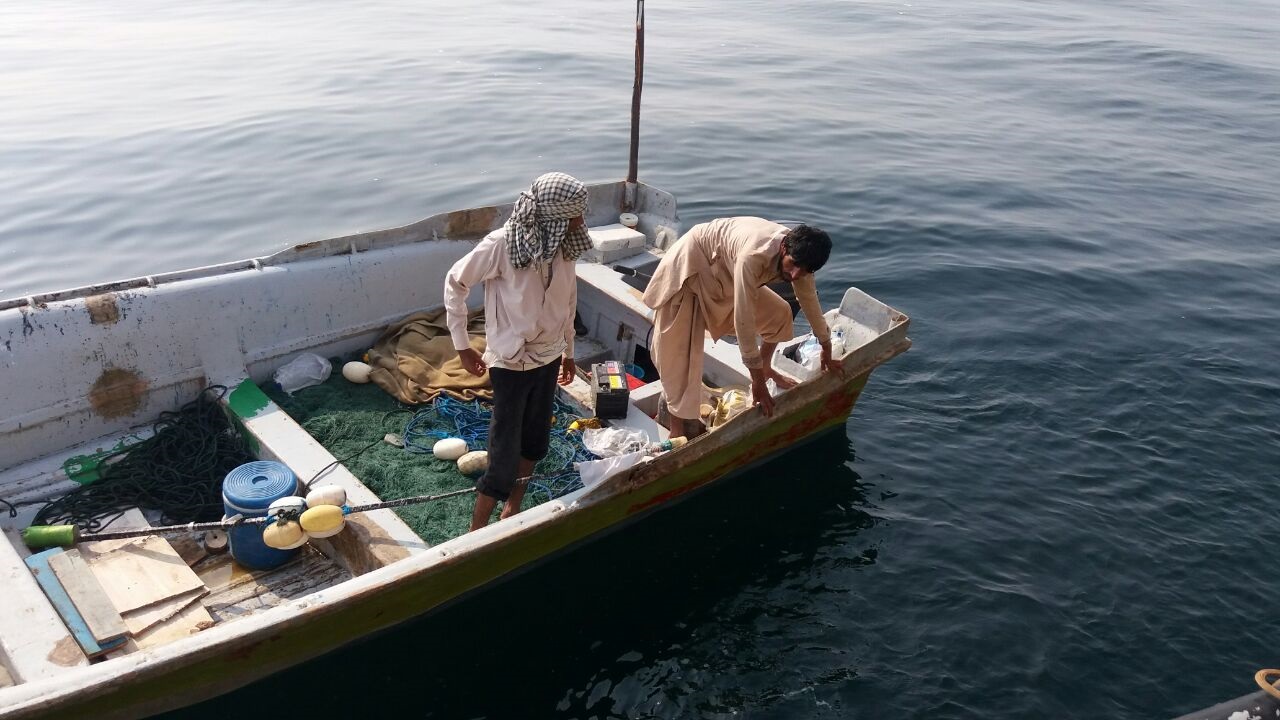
{"x":34,"y":644}
{"x":371,"y":540}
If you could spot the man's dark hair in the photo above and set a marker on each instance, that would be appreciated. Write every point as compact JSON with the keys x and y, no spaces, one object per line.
{"x":809,"y":247}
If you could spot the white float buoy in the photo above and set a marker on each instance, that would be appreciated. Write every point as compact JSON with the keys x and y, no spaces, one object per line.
{"x":474,"y":462}
{"x":326,"y":495}
{"x":356,"y":371}
{"x":629,"y":219}
{"x":293,"y":503}
{"x":450,"y":448}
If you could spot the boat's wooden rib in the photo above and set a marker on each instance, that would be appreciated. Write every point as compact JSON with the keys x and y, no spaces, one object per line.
{"x":235,"y":592}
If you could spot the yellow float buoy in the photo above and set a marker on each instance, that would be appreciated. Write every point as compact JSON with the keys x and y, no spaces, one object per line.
{"x":284,"y":535}
{"x":323,"y":521}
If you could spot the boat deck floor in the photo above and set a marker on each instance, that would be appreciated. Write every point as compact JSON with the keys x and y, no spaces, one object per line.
{"x":236,"y":592}
{"x":350,"y":421}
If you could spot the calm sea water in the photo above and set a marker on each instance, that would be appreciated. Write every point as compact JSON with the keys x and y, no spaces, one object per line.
{"x":1060,"y":503}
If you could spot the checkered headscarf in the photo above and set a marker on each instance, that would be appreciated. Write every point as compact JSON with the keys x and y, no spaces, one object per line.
{"x":539,"y":224}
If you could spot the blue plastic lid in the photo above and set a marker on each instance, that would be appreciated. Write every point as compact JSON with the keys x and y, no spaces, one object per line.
{"x":255,"y":485}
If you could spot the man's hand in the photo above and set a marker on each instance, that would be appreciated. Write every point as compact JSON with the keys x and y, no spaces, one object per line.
{"x":767,"y":372}
{"x":472,"y":362}
{"x":568,"y":368}
{"x":828,"y":363}
{"x":760,"y":392}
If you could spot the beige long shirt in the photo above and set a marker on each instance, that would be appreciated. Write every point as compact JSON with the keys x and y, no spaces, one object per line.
{"x":528,"y":312}
{"x":726,"y":262}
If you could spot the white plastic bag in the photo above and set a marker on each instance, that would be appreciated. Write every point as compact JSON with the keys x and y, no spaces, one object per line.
{"x":613,"y":441}
{"x":810,"y":354}
{"x":732,"y":402}
{"x":594,"y":472}
{"x":790,"y":358}
{"x":303,"y":371}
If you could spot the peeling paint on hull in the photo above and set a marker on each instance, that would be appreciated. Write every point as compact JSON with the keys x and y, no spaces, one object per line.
{"x":117,"y":393}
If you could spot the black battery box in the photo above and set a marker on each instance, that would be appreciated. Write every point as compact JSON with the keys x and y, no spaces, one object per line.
{"x":610,"y":390}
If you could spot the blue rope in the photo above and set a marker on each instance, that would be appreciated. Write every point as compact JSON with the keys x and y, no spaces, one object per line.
{"x":468,"y":420}
{"x":550,"y":488}
{"x":448,"y":417}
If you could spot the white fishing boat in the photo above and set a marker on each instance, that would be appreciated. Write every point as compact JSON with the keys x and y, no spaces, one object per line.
{"x":93,"y":368}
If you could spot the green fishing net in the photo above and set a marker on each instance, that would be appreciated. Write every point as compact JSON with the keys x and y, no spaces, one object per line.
{"x":350,"y":421}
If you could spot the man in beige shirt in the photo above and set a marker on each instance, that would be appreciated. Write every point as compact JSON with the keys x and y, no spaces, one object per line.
{"x":713,"y":281}
{"x":530,"y":296}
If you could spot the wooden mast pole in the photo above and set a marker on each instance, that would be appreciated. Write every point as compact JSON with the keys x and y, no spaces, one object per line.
{"x":635,"y":95}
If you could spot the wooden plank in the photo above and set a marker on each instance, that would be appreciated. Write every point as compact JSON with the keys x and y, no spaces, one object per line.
{"x":139,"y":572}
{"x":189,"y":620}
{"x":86,"y":593}
{"x":33,"y":639}
{"x":140,"y":620}
{"x":236,"y":592}
{"x":39,"y":564}
{"x":170,"y":618}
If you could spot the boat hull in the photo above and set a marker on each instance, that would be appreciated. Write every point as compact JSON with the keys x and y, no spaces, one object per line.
{"x":325,"y":627}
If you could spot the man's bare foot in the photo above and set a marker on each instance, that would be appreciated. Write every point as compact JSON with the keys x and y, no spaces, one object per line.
{"x":664,"y":413}
{"x":675,"y":426}
{"x":688,"y":429}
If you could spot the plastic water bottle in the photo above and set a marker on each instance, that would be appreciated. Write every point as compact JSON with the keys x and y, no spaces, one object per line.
{"x":665,"y":445}
{"x":837,"y":343}
{"x":811,"y":354}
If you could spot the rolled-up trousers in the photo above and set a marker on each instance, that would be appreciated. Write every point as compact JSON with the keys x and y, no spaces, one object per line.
{"x":520,"y":426}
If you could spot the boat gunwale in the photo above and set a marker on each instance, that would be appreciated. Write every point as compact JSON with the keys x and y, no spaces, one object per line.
{"x":425,"y":230}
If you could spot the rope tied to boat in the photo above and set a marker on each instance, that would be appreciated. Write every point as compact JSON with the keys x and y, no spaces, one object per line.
{"x":1261,"y":676}
{"x":178,"y":471}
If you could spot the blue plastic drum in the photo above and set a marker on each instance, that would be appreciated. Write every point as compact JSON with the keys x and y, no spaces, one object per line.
{"x":249,"y":490}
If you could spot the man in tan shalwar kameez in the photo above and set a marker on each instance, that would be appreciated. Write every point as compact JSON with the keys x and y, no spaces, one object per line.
{"x":712,"y":280}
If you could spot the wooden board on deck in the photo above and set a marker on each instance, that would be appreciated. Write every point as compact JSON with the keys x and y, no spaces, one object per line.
{"x":33,"y":640}
{"x":186,"y":620}
{"x":237,"y":592}
{"x":86,"y":593}
{"x":39,"y":564}
{"x":139,"y":572}
{"x":152,"y":576}
{"x":144,"y":618}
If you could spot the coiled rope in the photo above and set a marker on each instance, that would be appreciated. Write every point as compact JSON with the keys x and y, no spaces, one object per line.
{"x":177,"y":472}
{"x":1261,"y":676}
